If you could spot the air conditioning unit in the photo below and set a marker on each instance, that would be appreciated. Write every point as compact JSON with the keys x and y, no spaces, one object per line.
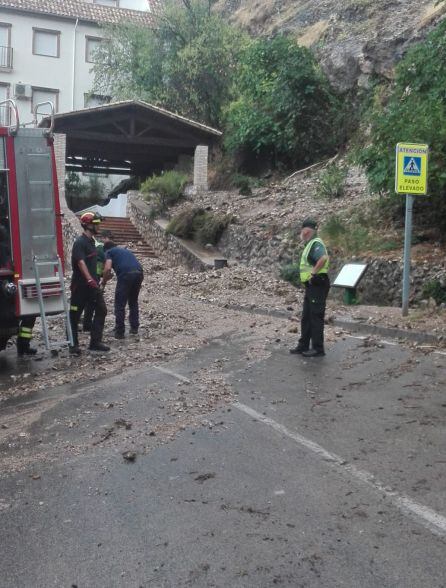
{"x":23,"y":91}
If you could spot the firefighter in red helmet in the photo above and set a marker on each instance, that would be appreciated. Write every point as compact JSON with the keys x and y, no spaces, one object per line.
{"x":85,"y":284}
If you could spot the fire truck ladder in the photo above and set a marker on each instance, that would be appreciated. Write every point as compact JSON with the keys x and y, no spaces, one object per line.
{"x":39,"y":263}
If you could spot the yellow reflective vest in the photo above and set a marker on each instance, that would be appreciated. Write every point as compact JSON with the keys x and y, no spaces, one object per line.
{"x":305,"y":265}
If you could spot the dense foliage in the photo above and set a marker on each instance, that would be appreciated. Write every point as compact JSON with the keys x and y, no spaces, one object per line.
{"x":185,"y":64}
{"x":80,"y":193}
{"x":286,"y":108}
{"x":163,"y":190}
{"x":414,"y":111}
{"x":202,"y":226}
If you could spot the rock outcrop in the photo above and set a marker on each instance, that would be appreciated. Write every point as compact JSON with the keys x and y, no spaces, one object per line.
{"x":352,"y":39}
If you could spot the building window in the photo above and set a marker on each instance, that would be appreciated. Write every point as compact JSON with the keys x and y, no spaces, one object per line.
{"x":4,"y":108}
{"x":91,"y":100}
{"x":107,"y":2}
{"x":46,"y":42}
{"x":5,"y":45}
{"x":92,"y":44}
{"x":45,"y":95}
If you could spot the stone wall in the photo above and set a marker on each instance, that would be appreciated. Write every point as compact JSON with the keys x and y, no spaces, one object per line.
{"x":381,"y":284}
{"x":166,"y":246}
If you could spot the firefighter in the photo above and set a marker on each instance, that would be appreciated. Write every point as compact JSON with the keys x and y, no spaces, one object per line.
{"x":84,"y":285}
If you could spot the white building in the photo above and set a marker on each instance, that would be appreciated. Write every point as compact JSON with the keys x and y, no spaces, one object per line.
{"x":47,"y":49}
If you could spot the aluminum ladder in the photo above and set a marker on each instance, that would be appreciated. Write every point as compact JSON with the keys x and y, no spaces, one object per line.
{"x":39,"y":263}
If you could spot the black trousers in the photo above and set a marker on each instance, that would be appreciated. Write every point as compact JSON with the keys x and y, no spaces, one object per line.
{"x":25,"y":335}
{"x":313,"y":314}
{"x":81,"y":295}
{"x":127,"y":292}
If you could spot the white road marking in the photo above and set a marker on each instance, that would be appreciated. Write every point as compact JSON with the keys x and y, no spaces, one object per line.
{"x":171,"y":373}
{"x":429,"y":518}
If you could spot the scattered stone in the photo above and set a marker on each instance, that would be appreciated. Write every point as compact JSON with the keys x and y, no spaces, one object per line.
{"x":203,"y":477}
{"x":129,"y":455}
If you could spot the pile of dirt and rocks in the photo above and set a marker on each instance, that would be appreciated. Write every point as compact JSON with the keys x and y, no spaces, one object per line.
{"x":180,"y":311}
{"x":183,"y":310}
{"x":266,"y":224}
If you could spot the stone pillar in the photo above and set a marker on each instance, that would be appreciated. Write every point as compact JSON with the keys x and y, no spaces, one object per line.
{"x":60,"y":142}
{"x":201,"y":168}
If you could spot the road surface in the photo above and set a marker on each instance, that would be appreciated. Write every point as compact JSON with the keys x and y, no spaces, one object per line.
{"x":244,"y":471}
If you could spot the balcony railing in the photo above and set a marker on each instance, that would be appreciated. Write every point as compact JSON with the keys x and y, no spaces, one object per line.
{"x":6,"y":57}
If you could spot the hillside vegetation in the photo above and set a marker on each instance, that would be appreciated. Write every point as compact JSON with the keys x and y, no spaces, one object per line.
{"x":282,"y":109}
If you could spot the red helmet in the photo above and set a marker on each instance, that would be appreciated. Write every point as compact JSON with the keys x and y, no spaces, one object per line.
{"x":91,"y":218}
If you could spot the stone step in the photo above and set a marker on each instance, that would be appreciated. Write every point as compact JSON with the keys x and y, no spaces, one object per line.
{"x":125,"y":232}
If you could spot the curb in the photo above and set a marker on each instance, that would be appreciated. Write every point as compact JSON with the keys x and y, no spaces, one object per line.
{"x":392,"y":333}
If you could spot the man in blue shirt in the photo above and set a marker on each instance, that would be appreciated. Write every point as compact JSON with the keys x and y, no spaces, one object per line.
{"x":129,"y":275}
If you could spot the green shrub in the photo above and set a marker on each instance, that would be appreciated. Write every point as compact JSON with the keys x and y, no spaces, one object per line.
{"x":291,"y":273}
{"x":351,"y":238}
{"x":413,"y":111}
{"x":356,"y":240}
{"x":435,"y":290}
{"x":243,"y":183}
{"x":209,"y":227}
{"x":332,"y":181}
{"x":164,"y":190}
{"x":183,"y":224}
{"x":286,"y":110}
{"x":334,"y":228}
{"x":202,"y":226}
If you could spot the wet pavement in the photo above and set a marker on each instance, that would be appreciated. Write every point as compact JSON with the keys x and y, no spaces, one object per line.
{"x":249,"y":471}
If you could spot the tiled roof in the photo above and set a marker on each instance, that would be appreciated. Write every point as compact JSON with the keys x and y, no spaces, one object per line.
{"x":81,"y":10}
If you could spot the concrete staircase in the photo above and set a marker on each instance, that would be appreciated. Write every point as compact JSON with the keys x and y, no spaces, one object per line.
{"x":125,"y":233}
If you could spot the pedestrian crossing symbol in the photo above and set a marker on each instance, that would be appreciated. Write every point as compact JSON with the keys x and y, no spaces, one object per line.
{"x":411,"y":169}
{"x":412,"y":166}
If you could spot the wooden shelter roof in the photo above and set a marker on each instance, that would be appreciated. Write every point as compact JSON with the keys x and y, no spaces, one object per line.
{"x":129,"y":137}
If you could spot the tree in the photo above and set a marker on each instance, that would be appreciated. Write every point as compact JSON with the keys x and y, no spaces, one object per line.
{"x":186,"y":63}
{"x":286,"y":108}
{"x":413,"y":111}
{"x":81,"y":194}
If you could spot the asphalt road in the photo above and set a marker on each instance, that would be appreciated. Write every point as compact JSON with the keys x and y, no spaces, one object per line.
{"x":325,"y":472}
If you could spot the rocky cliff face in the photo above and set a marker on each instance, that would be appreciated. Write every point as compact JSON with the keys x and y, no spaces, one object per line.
{"x":353,"y":39}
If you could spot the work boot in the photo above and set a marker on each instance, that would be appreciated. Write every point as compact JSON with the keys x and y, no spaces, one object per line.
{"x":24,"y":348}
{"x":119,"y":334}
{"x":98,"y":346}
{"x":298,"y":350}
{"x":133,"y":331}
{"x":313,"y":353}
{"x":75,"y":350}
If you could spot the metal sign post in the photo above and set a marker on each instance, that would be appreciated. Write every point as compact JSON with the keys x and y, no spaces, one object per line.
{"x":407,"y":245}
{"x":410,"y":179}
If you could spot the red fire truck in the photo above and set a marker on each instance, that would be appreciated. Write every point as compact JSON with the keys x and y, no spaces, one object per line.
{"x":31,"y":245}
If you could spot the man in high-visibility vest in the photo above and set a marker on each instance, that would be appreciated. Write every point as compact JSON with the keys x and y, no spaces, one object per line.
{"x":314,"y":276}
{"x":89,"y":308}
